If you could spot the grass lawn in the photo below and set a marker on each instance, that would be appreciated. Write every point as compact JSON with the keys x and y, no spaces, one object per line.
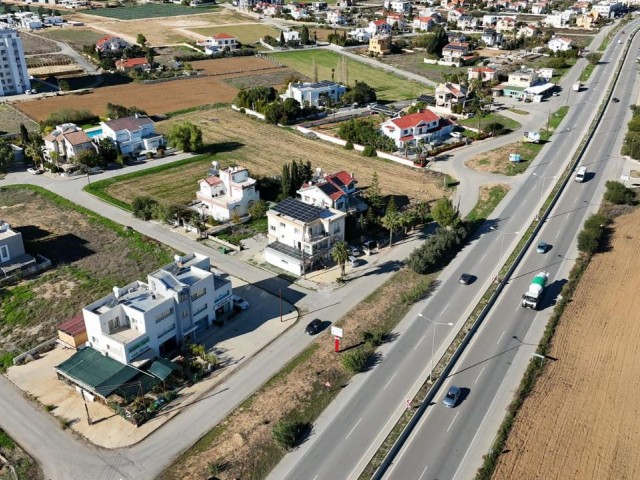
{"x":490,"y":197}
{"x":76,"y":39}
{"x":414,"y":62}
{"x":389,"y":87}
{"x":247,"y":34}
{"x":155,"y":10}
{"x":586,"y":73}
{"x":508,"y":123}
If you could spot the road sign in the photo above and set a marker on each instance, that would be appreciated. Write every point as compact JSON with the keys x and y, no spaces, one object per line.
{"x":336,"y":332}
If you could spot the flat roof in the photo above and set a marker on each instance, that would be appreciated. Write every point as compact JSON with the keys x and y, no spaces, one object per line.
{"x":286,"y":250}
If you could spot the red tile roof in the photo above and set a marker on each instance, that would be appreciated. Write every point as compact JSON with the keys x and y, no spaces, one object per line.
{"x":131,"y":62}
{"x":103,"y":40}
{"x":345,"y":177}
{"x":222,"y":36}
{"x":380,"y":22}
{"x":414,"y":119}
{"x":73,"y":326}
{"x":407,"y":138}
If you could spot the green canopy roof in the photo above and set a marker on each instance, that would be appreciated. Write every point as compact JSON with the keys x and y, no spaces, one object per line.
{"x":162,"y":368}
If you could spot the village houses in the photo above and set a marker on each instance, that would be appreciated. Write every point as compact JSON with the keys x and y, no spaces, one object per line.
{"x":407,"y":130}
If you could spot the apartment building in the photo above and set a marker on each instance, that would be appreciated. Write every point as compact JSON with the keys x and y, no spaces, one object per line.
{"x":14,"y":78}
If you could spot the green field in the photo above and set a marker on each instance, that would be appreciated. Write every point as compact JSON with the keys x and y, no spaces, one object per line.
{"x":155,"y":10}
{"x":247,"y":34}
{"x":389,"y":87}
{"x":508,"y":123}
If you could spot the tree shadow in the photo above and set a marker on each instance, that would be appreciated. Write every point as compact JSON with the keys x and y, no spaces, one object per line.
{"x":221,"y":147}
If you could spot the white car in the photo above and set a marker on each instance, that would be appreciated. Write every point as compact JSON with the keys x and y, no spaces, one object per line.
{"x":239,"y":302}
{"x":456,"y":134}
{"x":35,"y":171}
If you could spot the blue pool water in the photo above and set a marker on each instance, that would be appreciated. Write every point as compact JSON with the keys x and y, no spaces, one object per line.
{"x":94,"y":133}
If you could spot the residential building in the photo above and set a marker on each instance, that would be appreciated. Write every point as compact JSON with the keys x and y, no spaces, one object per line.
{"x":397,"y":20}
{"x":133,"y":135}
{"x":505,"y":24}
{"x":455,"y":15}
{"x":587,"y":20}
{"x":379,"y":27}
{"x":227,"y":193}
{"x":141,"y":321}
{"x":14,"y":78}
{"x":485,"y":74}
{"x":528,"y":31}
{"x":467,"y":22}
{"x":450,"y":96}
{"x":337,"y":191}
{"x":455,"y":53}
{"x":398,"y":6}
{"x":129,"y":64}
{"x":423,"y":23}
{"x":301,"y":236}
{"x":319,"y":6}
{"x":335,"y":17}
{"x":426,"y":126}
{"x":315,"y":94}
{"x":11,"y":245}
{"x":560,"y":44}
{"x":545,"y":73}
{"x":291,"y":36}
{"x":298,"y":13}
{"x":491,"y":38}
{"x":110,"y":45}
{"x":523,"y":78}
{"x":222,"y":41}
{"x":66,"y":141}
{"x":380,"y":44}
{"x":53,"y":20}
{"x":539,"y":8}
{"x":360,"y":35}
{"x":608,"y":9}
{"x":29,"y":20}
{"x":490,"y":20}
{"x":559,"y":19}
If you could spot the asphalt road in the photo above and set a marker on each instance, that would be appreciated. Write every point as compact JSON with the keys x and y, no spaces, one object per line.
{"x":449,"y":443}
{"x":350,"y":431}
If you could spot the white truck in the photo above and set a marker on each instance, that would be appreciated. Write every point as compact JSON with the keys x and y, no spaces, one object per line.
{"x":577,"y":86}
{"x":531,"y":137}
{"x":532,"y":297}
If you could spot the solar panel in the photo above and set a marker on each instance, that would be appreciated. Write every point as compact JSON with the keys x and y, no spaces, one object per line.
{"x":298,"y":210}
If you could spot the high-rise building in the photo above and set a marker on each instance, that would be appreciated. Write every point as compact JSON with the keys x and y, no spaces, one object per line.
{"x":14,"y":78}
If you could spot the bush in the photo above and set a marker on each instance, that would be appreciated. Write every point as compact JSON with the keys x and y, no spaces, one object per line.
{"x":355,"y":360}
{"x":369,"y":151}
{"x":618,"y":194}
{"x":286,"y":434}
{"x":144,"y":207}
{"x":375,"y":337}
{"x":348,"y":146}
{"x":258,"y":209}
{"x":437,"y":250}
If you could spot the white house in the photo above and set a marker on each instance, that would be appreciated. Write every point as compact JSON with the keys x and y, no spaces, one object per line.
{"x":292,"y":36}
{"x":539,"y":8}
{"x":14,"y":78}
{"x":133,"y":134}
{"x":141,"y":321}
{"x":505,"y":24}
{"x":227,"y":193}
{"x":379,"y":27}
{"x":337,"y":191}
{"x":528,"y":31}
{"x":559,"y":44}
{"x":398,"y":6}
{"x":491,"y":38}
{"x":448,"y":95}
{"x":335,"y":17}
{"x":490,"y":20}
{"x":53,"y":20}
{"x":559,"y":19}
{"x":608,"y":9}
{"x":315,"y":94}
{"x":423,"y":23}
{"x":360,"y":34}
{"x":298,"y":13}
{"x":220,"y":41}
{"x":301,"y":236}
{"x":397,"y":19}
{"x":65,"y":142}
{"x":455,"y":53}
{"x":409,"y":129}
{"x":467,"y":22}
{"x":455,"y":14}
{"x":110,"y":44}
{"x":485,"y":74}
{"x":522,"y":78}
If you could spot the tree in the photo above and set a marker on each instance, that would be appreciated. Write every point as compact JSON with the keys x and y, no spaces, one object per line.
{"x":286,"y":180}
{"x":593,"y":57}
{"x":33,"y":150}
{"x":185,"y":136}
{"x":340,"y":254}
{"x":391,"y":220}
{"x":6,"y":156}
{"x":373,"y":195}
{"x":108,"y":150}
{"x":282,"y":40}
{"x":88,"y":158}
{"x":141,"y":40}
{"x":618,"y":194}
{"x":115,"y":111}
{"x":314,"y":69}
{"x":150,"y":57}
{"x":64,"y":85}
{"x":444,"y":213}
{"x":361,"y":94}
{"x":258,"y":209}
{"x":304,"y":35}
{"x":24,"y":135}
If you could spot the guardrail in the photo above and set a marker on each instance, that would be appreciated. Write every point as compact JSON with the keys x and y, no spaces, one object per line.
{"x":404,"y":435}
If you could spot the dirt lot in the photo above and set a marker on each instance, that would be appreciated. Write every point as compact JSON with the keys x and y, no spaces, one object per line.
{"x":582,"y":420}
{"x":75,"y":37}
{"x":497,"y":160}
{"x":10,"y":120}
{"x":263,"y":149}
{"x":35,"y":45}
{"x":88,"y":260}
{"x":154,"y":98}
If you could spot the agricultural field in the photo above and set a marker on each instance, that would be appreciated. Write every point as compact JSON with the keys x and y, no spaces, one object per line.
{"x":76,"y":38}
{"x":89,"y":254}
{"x":237,"y":139}
{"x":414,"y":63}
{"x":246,"y":34}
{"x":581,"y":420}
{"x":149,"y":10}
{"x":159,"y":98}
{"x":389,"y":87}
{"x":10,"y":120}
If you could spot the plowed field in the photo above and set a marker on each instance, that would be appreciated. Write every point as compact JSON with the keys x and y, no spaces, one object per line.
{"x":582,"y":420}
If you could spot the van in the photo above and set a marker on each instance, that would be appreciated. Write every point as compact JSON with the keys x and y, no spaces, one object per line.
{"x":581,"y":174}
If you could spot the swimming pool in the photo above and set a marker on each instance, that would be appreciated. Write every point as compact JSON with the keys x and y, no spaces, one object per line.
{"x":94,"y":132}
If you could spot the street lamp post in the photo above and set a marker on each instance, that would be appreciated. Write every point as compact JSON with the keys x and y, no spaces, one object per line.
{"x":502,"y":234}
{"x":433,"y":341}
{"x":542,"y":191}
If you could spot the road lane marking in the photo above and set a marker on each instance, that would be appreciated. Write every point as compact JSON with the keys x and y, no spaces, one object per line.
{"x":445,"y":307}
{"x":454,"y":419}
{"x":483,"y":257}
{"x":423,"y":472}
{"x":478,"y":377}
{"x":501,"y":337}
{"x":394,"y":376}
{"x":559,"y":232}
{"x":419,"y":341}
{"x":354,"y":427}
{"x":316,"y":477}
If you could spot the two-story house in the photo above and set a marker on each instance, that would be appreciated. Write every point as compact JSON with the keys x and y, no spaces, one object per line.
{"x":301,"y":236}
{"x":110,"y":45}
{"x":451,"y":95}
{"x":608,"y":9}
{"x":141,"y":321}
{"x":379,"y":27}
{"x":491,"y":38}
{"x":455,"y":53}
{"x":397,"y":20}
{"x":133,"y":134}
{"x":398,"y":6}
{"x":560,"y":44}
{"x":380,"y":44}
{"x":227,"y":193}
{"x":337,"y":191}
{"x":559,"y":19}
{"x":129,"y":64}
{"x":455,"y":14}
{"x":406,"y":131}
{"x":66,"y":141}
{"x":336,"y":17}
{"x":528,"y":31}
{"x":539,"y":8}
{"x":484,"y":74}
{"x":467,"y":22}
{"x":424,"y":23}
{"x":223,"y":40}
{"x":315,"y":94}
{"x":506,"y":25}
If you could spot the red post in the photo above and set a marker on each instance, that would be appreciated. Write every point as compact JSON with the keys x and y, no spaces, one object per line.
{"x":336,"y":344}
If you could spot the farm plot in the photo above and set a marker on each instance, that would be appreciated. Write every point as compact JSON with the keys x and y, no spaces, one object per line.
{"x":263,"y":149}
{"x":582,"y":418}
{"x":388,"y":86}
{"x":247,"y":34}
{"x":89,"y":254}
{"x":276,"y":79}
{"x":414,"y":62}
{"x":222,"y":66}
{"x":36,"y":45}
{"x":149,"y":10}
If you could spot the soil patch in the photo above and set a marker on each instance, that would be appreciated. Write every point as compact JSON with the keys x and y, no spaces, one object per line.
{"x":10,"y":120}
{"x":35,"y":45}
{"x":581,"y":421}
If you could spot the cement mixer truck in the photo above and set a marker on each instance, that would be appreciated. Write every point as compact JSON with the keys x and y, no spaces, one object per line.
{"x":532,"y":297}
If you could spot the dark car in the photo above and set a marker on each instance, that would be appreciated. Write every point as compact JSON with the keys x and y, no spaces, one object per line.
{"x":542,"y":247}
{"x":314,"y":327}
{"x":451,"y":398}
{"x":465,"y":279}
{"x":615,"y":100}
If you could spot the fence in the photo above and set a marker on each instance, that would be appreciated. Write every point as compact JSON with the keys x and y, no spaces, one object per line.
{"x":42,"y":263}
{"x":248,"y":111}
{"x":43,"y":347}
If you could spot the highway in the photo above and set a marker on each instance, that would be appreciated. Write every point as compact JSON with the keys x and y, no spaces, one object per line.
{"x":349,"y":432}
{"x":449,"y":443}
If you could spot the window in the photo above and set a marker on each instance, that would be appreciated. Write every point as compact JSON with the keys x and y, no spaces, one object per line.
{"x":272,"y":228}
{"x":282,"y":225}
{"x":185,"y":313}
{"x":4,"y":253}
{"x":164,"y":315}
{"x":114,"y":324}
{"x":198,"y":294}
{"x":296,"y":231}
{"x":204,"y":307}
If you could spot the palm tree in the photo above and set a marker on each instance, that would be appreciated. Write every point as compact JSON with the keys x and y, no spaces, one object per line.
{"x":340,"y":254}
{"x":391,"y":220}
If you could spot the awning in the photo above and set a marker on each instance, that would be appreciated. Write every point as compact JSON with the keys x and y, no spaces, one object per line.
{"x":162,"y":368}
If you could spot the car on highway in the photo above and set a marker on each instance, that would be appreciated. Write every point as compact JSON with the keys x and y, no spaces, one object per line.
{"x":451,"y":398}
{"x":465,"y":279}
{"x":314,"y":327}
{"x":542,"y":247}
{"x":615,"y":99}
{"x":239,"y":303}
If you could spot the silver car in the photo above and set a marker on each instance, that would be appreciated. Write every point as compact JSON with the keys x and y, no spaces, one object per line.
{"x":451,"y":398}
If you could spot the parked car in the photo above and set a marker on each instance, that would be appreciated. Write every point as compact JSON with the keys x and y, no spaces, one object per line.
{"x":456,"y":134}
{"x":314,"y":327}
{"x":239,"y":303}
{"x":451,"y":398}
{"x":354,"y":261}
{"x":35,"y":171}
{"x":465,"y":279}
{"x":353,"y":251}
{"x":542,"y":247}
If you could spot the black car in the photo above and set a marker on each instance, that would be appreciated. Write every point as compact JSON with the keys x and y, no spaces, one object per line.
{"x":465,"y":279}
{"x":314,"y":327}
{"x":615,"y":100}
